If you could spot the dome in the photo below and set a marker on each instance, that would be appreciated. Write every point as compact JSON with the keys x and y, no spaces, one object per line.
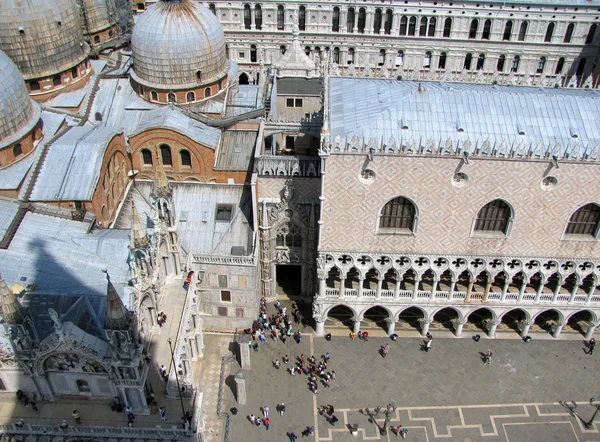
{"x":98,"y":15}
{"x":18,"y":114}
{"x":42,"y":37}
{"x":178,"y":44}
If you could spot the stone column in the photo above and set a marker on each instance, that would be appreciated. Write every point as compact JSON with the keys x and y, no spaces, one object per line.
{"x":397,"y":290}
{"x":342,"y":287}
{"x":416,"y":287}
{"x":395,"y":23}
{"x":538,"y":292}
{"x":243,"y":342}
{"x":378,"y":293}
{"x":522,"y":290}
{"x":557,"y":329}
{"x":556,"y":292}
{"x":486,"y":292}
{"x":459,"y":328}
{"x":391,"y":326}
{"x":451,"y":291}
{"x":425,"y":328}
{"x":491,"y":326}
{"x":573,"y":293}
{"x":360,"y":287}
{"x":356,"y":327}
{"x":504,"y":290}
{"x":469,"y":288}
{"x":240,"y":387}
{"x":370,"y":22}
{"x":252,"y":24}
{"x":322,"y":288}
{"x":525,"y":331}
{"x":588,"y":299}
{"x":590,"y":330}
{"x":434,"y":288}
{"x":320,"y":329}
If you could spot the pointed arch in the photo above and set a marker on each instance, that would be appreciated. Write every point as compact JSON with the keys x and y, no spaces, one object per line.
{"x":495,"y":216}
{"x":399,"y":215}
{"x":584,"y":221}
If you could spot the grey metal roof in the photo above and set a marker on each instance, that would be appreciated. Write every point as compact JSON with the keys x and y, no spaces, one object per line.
{"x":196,"y":206}
{"x":464,"y":112}
{"x":18,"y":113}
{"x":174,"y":119}
{"x":8,"y":210}
{"x":236,"y":150}
{"x":72,"y":166}
{"x":172,"y":41}
{"x":51,"y":40}
{"x":299,"y":86}
{"x":244,"y":98}
{"x":68,"y":99}
{"x":66,"y":265}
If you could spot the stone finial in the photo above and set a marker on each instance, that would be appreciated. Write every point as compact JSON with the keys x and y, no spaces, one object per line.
{"x":138,"y":232}
{"x":12,"y":310}
{"x":116,"y":313}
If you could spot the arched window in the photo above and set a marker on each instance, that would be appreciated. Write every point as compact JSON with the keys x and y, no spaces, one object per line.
{"x":560,"y":64}
{"x":97,"y":39}
{"x":399,"y":214}
{"x":171,"y":97}
{"x":362,"y":20}
{"x":146,"y":157}
{"x":591,"y":33}
{"x":83,"y":386}
{"x":207,"y":92}
{"x":350,"y":56}
{"x":186,"y":158}
{"x":522,"y":31}
{"x":423,"y":27}
{"x":442,"y":61}
{"x":580,"y":67}
{"x":280,"y":18}
{"x":335,"y":24}
{"x":389,"y":18}
{"x":468,"y":60}
{"x":549,"y":32}
{"x":165,"y":153}
{"x":495,"y":216}
{"x":307,"y":50}
{"x":487,"y":27}
{"x":199,"y":75}
{"x":302,"y":18}
{"x":480,"y":62}
{"x":350,"y":20}
{"x":412,"y":26}
{"x":431,"y":29}
{"x":282,"y":49}
{"x":74,"y":72}
{"x":507,"y":30}
{"x":403,"y":25}
{"x":377,"y":20}
{"x":500,"y":65}
{"x":400,"y":58}
{"x":190,"y":97}
{"x":258,"y":17}
{"x":584,"y":221}
{"x":154,"y":95}
{"x":336,"y":55}
{"x":34,"y":85}
{"x":515,"y":65}
{"x":427,"y":60}
{"x":447,"y":27}
{"x":56,"y":80}
{"x":253,"y":54}
{"x":212,"y":8}
{"x":541,"y":65}
{"x":473,"y":28}
{"x":247,"y":17}
{"x":569,"y":33}
{"x":381,"y":60}
{"x":243,"y":78}
{"x":17,"y":150}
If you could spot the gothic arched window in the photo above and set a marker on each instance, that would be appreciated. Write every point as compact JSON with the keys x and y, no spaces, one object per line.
{"x":495,"y":216}
{"x":398,"y":215}
{"x":584,"y":221}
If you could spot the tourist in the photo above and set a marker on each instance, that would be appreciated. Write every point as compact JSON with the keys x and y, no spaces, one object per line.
{"x":488,"y":357}
{"x":76,"y":416}
{"x":267,"y":423}
{"x":353,"y":335}
{"x":281,"y":408}
{"x":258,"y":421}
{"x":385,"y":350}
{"x":327,"y":357}
{"x":365,"y":336}
{"x":276,"y":364}
{"x":252,"y":419}
{"x":591,"y":345}
{"x":428,"y":345}
{"x":286,"y":359}
{"x":265,"y":411}
{"x":163,"y":413}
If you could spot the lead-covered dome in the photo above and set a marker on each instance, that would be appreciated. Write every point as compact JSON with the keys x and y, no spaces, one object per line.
{"x":42,"y":37}
{"x":178,"y":44}
{"x":98,"y":15}
{"x":18,"y":114}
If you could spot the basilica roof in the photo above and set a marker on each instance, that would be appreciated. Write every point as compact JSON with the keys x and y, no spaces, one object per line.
{"x":441,"y":113}
{"x":98,"y":15}
{"x":18,"y":113}
{"x":42,"y":37}
{"x":178,"y":45}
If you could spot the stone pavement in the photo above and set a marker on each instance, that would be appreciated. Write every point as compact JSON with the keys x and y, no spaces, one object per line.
{"x":446,"y":394}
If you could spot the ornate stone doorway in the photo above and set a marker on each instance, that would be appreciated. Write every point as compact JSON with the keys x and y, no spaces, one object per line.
{"x":289,"y":280}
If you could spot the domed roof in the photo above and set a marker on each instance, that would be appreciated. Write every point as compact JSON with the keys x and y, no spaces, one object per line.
{"x":98,"y":15}
{"x":42,"y":37}
{"x":18,"y":113}
{"x":178,"y":44}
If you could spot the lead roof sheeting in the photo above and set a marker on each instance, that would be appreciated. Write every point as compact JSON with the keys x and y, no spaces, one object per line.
{"x":299,"y":86}
{"x":174,"y":119}
{"x":236,"y":150}
{"x":72,"y":166}
{"x":379,"y":108}
{"x":197,"y":204}
{"x":69,"y":99}
{"x":245,"y":99}
{"x":8,"y":210}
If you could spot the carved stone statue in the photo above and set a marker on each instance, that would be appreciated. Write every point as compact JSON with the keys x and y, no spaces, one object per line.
{"x":58,"y":325}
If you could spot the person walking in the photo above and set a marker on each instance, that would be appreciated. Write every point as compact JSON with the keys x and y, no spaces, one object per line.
{"x":428,"y":345}
{"x":591,"y":345}
{"x":327,"y":357}
{"x":404,"y":432}
{"x":385,"y":350}
{"x":163,"y":413}
{"x":258,"y":421}
{"x":266,"y":411}
{"x":267,"y":423}
{"x":276,"y":364}
{"x":252,"y":419}
{"x":281,"y":408}
{"x":76,"y":416}
{"x":488,"y":357}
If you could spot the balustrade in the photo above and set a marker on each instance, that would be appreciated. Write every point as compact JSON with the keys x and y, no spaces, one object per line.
{"x":369,"y":293}
{"x":351,"y":293}
{"x":476,"y":296}
{"x":386,"y":293}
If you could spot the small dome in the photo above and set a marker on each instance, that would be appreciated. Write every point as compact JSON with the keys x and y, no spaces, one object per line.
{"x":42,"y":37}
{"x":18,"y":114}
{"x":98,"y":15}
{"x":178,"y":44}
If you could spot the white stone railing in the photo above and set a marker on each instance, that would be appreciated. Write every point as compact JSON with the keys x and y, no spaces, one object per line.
{"x":13,"y":432}
{"x":369,"y":293}
{"x":288,"y":166}
{"x":234,"y":260}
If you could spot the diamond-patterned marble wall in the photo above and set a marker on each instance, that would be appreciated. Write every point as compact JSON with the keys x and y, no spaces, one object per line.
{"x":446,"y":213}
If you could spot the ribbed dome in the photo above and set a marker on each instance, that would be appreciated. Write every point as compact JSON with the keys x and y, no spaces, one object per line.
{"x":98,"y":15}
{"x":173,"y":41}
{"x":18,"y":114}
{"x":42,"y":37}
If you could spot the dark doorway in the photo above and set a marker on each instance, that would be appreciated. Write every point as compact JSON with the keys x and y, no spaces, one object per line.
{"x":243,"y":79}
{"x":289,"y":280}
